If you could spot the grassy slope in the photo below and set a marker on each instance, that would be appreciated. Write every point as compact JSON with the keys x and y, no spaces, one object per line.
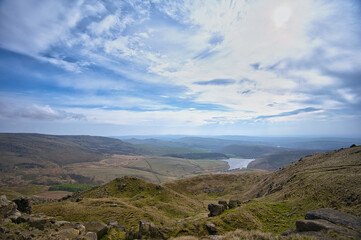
{"x":135,"y":198}
{"x":276,"y":160}
{"x":278,"y":199}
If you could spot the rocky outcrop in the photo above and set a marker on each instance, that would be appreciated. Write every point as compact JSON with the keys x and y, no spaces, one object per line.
{"x":149,"y":230}
{"x":234,"y":203}
{"x":215,"y":209}
{"x":40,"y":226}
{"x":23,"y":205}
{"x":336,"y":217}
{"x":7,"y":209}
{"x":99,"y":228}
{"x":320,"y":222}
{"x":224,"y":203}
{"x":218,"y":209}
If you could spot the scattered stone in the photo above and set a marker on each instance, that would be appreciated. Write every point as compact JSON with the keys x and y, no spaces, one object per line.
{"x":336,"y":217}
{"x":113,"y":205}
{"x":99,"y":228}
{"x":78,"y":200}
{"x":215,"y":209}
{"x":211,"y":228}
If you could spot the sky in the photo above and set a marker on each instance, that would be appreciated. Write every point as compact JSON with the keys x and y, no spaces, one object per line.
{"x":245,"y":67}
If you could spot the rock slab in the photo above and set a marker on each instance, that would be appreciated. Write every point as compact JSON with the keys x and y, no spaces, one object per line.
{"x":336,"y":217}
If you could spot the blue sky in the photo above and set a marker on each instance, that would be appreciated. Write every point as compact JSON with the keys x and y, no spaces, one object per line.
{"x":181,"y":67}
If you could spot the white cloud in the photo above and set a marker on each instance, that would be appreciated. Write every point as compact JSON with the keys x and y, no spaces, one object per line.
{"x":205,"y":40}
{"x":36,"y":112}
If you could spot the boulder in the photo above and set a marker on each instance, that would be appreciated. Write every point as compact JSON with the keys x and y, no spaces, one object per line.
{"x":336,"y":217}
{"x":69,"y":233}
{"x":7,"y":208}
{"x":320,"y":224}
{"x":211,"y":228}
{"x":316,"y":225}
{"x":99,"y":228}
{"x":23,"y":205}
{"x":90,"y":236}
{"x":224,"y":203}
{"x":234,"y":203}
{"x":215,"y":209}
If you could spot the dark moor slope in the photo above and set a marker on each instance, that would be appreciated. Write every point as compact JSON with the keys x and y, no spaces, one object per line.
{"x":39,"y":148}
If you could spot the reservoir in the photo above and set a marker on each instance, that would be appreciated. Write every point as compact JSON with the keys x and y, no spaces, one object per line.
{"x":235,"y":163}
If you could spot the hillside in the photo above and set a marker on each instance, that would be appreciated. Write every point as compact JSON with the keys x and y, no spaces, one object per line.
{"x":33,"y":160}
{"x":249,"y":151}
{"x":276,"y":160}
{"x":134,"y":199}
{"x":270,"y":201}
{"x":38,"y":149}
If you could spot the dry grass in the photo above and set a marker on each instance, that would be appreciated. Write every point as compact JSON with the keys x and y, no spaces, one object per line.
{"x":246,"y":235}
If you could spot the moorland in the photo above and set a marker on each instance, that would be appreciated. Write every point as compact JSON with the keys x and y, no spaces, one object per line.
{"x":168,"y":185}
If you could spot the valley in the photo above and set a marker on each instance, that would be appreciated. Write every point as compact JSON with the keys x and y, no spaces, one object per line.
{"x":128,"y":183}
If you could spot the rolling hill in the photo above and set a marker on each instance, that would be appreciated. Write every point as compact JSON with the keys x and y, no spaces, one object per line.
{"x":270,"y":201}
{"x":42,"y":149}
{"x":37,"y":159}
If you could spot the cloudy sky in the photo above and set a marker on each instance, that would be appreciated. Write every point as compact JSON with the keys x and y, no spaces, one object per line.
{"x":247,"y":67}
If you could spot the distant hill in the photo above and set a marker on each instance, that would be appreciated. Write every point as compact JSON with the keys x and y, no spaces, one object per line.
{"x":213,"y":143}
{"x":249,"y":151}
{"x":50,"y":159}
{"x":42,"y":149}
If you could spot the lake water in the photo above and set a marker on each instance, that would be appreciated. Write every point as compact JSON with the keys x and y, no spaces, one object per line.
{"x":235,"y":163}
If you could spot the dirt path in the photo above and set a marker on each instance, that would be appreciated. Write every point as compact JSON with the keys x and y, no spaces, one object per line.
{"x":151,"y":170}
